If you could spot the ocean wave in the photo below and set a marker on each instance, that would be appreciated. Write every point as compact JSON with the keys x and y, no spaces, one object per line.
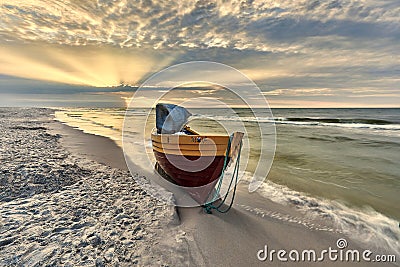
{"x":338,"y":120}
{"x":363,"y":224}
{"x":375,"y":124}
{"x":361,"y":141}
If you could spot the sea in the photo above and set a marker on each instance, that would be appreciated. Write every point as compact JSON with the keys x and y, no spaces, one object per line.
{"x":340,"y":163}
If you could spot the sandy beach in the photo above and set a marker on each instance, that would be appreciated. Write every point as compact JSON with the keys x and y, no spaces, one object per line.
{"x":67,"y":199}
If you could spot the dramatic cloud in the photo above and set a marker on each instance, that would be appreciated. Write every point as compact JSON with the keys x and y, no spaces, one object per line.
{"x":257,"y":25}
{"x":319,"y":50}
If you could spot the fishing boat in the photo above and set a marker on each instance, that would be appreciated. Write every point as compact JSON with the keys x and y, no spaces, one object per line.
{"x":187,"y":158}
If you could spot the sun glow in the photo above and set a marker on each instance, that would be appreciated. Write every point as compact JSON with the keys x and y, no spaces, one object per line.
{"x":83,"y":65}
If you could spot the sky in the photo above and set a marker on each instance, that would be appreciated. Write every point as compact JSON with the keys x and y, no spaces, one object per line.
{"x":306,"y":53}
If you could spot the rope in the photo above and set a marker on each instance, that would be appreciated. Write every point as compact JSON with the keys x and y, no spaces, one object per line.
{"x":209,"y":206}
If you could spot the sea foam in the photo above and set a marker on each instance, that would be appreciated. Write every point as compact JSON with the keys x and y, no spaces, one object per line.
{"x":363,"y":224}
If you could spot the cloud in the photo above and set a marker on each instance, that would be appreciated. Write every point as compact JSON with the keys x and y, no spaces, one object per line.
{"x":336,"y":45}
{"x":257,"y":25}
{"x":301,"y":92}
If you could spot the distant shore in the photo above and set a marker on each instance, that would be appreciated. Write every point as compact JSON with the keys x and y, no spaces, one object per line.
{"x":68,"y":199}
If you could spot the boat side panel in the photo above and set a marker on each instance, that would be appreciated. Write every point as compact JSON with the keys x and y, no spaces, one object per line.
{"x":186,"y":178}
{"x":190,"y":139}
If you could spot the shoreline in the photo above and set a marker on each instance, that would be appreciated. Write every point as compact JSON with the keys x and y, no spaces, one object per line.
{"x":199,"y":239}
{"x":250,"y":207}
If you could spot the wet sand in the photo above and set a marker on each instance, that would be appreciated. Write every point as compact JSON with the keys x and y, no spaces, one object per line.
{"x":97,"y":215}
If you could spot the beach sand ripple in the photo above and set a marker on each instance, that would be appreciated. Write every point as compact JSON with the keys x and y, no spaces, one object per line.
{"x":62,"y":209}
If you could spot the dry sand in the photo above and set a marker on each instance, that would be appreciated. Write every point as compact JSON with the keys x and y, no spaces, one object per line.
{"x":60,"y":209}
{"x":67,"y":199}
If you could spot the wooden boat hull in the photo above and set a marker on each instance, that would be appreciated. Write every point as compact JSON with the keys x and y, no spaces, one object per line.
{"x":194,"y":162}
{"x":186,"y":178}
